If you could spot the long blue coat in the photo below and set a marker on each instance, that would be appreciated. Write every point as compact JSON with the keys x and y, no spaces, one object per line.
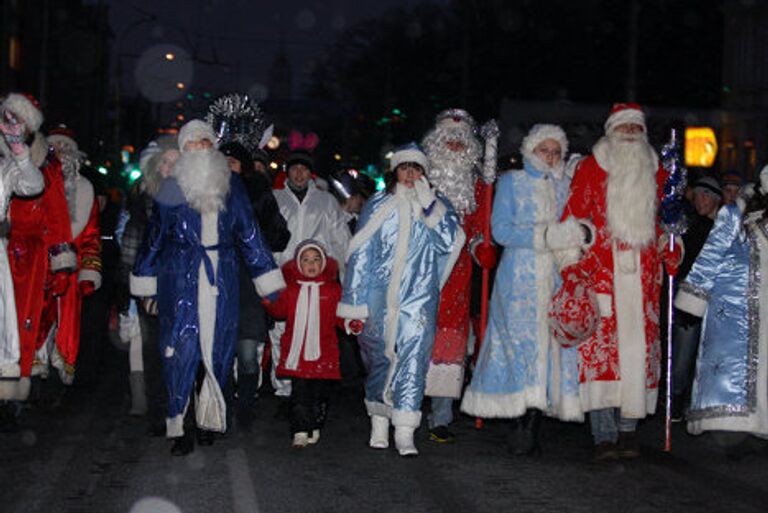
{"x":727,"y":285}
{"x":520,"y":365}
{"x":190,"y":261}
{"x":397,"y":262}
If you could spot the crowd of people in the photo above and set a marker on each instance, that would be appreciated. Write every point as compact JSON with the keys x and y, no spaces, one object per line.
{"x":223,"y":265}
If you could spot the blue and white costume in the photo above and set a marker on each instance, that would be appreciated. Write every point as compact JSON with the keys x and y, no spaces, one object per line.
{"x":727,"y":286}
{"x":396,"y":265}
{"x":520,"y":365}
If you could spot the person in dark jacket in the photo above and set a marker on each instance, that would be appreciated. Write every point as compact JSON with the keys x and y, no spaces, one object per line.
{"x":253,"y":327}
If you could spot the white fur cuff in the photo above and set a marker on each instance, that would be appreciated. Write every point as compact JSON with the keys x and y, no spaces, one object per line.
{"x":565,"y":235}
{"x":566,"y":257}
{"x":604,"y":302}
{"x":539,"y":232}
{"x":143,"y":286}
{"x":406,"y":418}
{"x":90,"y":275}
{"x":376,"y":408}
{"x":174,"y":426}
{"x":269,"y":282}
{"x":691,"y":303}
{"x":347,"y":311}
{"x":10,"y":370}
{"x":63,"y":261}
{"x":438,"y":211}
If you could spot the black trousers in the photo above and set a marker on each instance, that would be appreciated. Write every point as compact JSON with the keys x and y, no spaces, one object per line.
{"x":309,"y":404}
{"x":154,"y":381}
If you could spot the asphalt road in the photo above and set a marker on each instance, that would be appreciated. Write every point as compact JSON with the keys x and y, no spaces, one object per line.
{"x":88,"y":455}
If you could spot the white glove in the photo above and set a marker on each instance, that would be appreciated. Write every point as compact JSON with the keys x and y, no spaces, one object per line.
{"x":424,"y":193}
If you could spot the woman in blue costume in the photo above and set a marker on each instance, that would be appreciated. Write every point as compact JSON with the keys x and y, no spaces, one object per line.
{"x":201,"y":218}
{"x":522,"y":370}
{"x":728,"y":286}
{"x":406,"y":244}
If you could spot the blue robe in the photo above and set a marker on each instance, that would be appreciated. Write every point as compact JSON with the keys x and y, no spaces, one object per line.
{"x":520,"y":365}
{"x":397,"y":263}
{"x":727,"y":285}
{"x":190,"y":262}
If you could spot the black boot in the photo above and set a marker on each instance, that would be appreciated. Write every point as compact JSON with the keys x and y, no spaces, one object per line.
{"x":182,"y":445}
{"x":247,"y":386}
{"x":527,"y":434}
{"x":516,"y":436}
{"x":204,"y":437}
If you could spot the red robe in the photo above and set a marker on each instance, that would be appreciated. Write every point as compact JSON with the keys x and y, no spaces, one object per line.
{"x":619,"y":365}
{"x":327,"y":366}
{"x":37,"y":225}
{"x":445,"y":376}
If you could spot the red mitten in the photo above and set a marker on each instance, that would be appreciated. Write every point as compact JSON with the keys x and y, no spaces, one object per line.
{"x":486,"y":255}
{"x":59,"y":283}
{"x":87,"y":288}
{"x":672,"y":258}
{"x":353,"y":326}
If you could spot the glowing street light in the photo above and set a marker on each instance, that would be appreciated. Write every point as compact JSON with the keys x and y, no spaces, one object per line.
{"x":169,"y":56}
{"x":180,"y":85}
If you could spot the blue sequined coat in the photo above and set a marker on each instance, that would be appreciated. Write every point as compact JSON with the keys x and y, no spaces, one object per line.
{"x":520,"y":364}
{"x":397,"y":262}
{"x":727,"y":286}
{"x":190,"y":262}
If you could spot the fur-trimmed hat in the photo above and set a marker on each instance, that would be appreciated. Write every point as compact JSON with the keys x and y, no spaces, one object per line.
{"x":410,"y":152}
{"x":63,"y":136}
{"x":26,"y":108}
{"x":625,"y":113}
{"x":196,"y":130}
{"x":310,"y":244}
{"x":456,"y":116}
{"x":541,"y":132}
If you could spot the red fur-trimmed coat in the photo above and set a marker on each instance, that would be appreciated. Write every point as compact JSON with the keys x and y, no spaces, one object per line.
{"x":327,"y":366}
{"x":618,"y":367}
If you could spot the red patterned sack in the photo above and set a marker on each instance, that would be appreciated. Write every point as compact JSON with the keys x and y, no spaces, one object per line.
{"x":573,"y":311}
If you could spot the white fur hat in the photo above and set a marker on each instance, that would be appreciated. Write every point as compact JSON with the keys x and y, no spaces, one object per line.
{"x":410,"y":152}
{"x":624,"y":113}
{"x":310,"y":244}
{"x":196,"y":130}
{"x":63,"y":136}
{"x":26,"y":108}
{"x":542,"y":132}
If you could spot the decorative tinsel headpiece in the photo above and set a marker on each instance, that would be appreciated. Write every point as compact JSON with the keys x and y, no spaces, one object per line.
{"x":236,"y":118}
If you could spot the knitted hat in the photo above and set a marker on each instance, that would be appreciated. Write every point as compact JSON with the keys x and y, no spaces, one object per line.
{"x":196,"y":130}
{"x":300,"y":156}
{"x":410,"y":152}
{"x":310,"y":244}
{"x":708,"y":185}
{"x":624,"y":113}
{"x":26,"y":108}
{"x":542,"y":132}
{"x":239,"y":152}
{"x":63,"y":136}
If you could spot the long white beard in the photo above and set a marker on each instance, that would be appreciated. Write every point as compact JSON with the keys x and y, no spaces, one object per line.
{"x":631,"y":164}
{"x":452,"y":172}
{"x":70,"y":167}
{"x":203,"y":177}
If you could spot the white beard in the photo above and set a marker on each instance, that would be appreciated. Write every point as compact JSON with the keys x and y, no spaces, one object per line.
{"x":452,"y":172}
{"x":70,"y":167}
{"x":203,"y":177}
{"x":631,"y":195}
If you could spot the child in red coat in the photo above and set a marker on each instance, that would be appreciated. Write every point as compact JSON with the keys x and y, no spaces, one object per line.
{"x":309,"y":349}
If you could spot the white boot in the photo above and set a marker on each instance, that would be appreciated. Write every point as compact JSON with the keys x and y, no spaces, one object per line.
{"x":300,"y":439}
{"x":314,"y":437}
{"x":379,"y":432}
{"x":404,"y":441}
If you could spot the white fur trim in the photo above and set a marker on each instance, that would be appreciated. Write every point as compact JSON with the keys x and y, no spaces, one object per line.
{"x":19,"y":105}
{"x":143,"y":286}
{"x":196,"y":130}
{"x":458,"y":247}
{"x":372,"y":226}
{"x":624,"y":116}
{"x":444,"y":380}
{"x":269,"y":282}
{"x":434,"y":217}
{"x":505,"y":406}
{"x":539,"y":236}
{"x":377,"y":408}
{"x":90,"y":275}
{"x":63,"y":140}
{"x":83,"y":204}
{"x":598,"y":395}
{"x":542,"y":132}
{"x":409,"y":155}
{"x":10,"y":370}
{"x":174,"y":426}
{"x":347,"y":311}
{"x":565,"y":235}
{"x":403,"y":418}
{"x":15,"y":389}
{"x":567,"y":257}
{"x":63,"y":261}
{"x":690,"y":303}
{"x":605,"y":304}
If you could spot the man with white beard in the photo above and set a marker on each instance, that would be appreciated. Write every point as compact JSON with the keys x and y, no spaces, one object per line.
{"x":454,"y":152}
{"x":201,"y":218}
{"x":618,"y":189}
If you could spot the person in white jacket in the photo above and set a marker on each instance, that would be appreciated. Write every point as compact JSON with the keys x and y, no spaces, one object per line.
{"x":311,"y":213}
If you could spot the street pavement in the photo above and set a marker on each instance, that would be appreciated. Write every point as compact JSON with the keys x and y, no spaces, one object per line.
{"x":88,"y":455}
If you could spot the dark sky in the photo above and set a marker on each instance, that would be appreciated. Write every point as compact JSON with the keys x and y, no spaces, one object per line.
{"x":241,"y":35}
